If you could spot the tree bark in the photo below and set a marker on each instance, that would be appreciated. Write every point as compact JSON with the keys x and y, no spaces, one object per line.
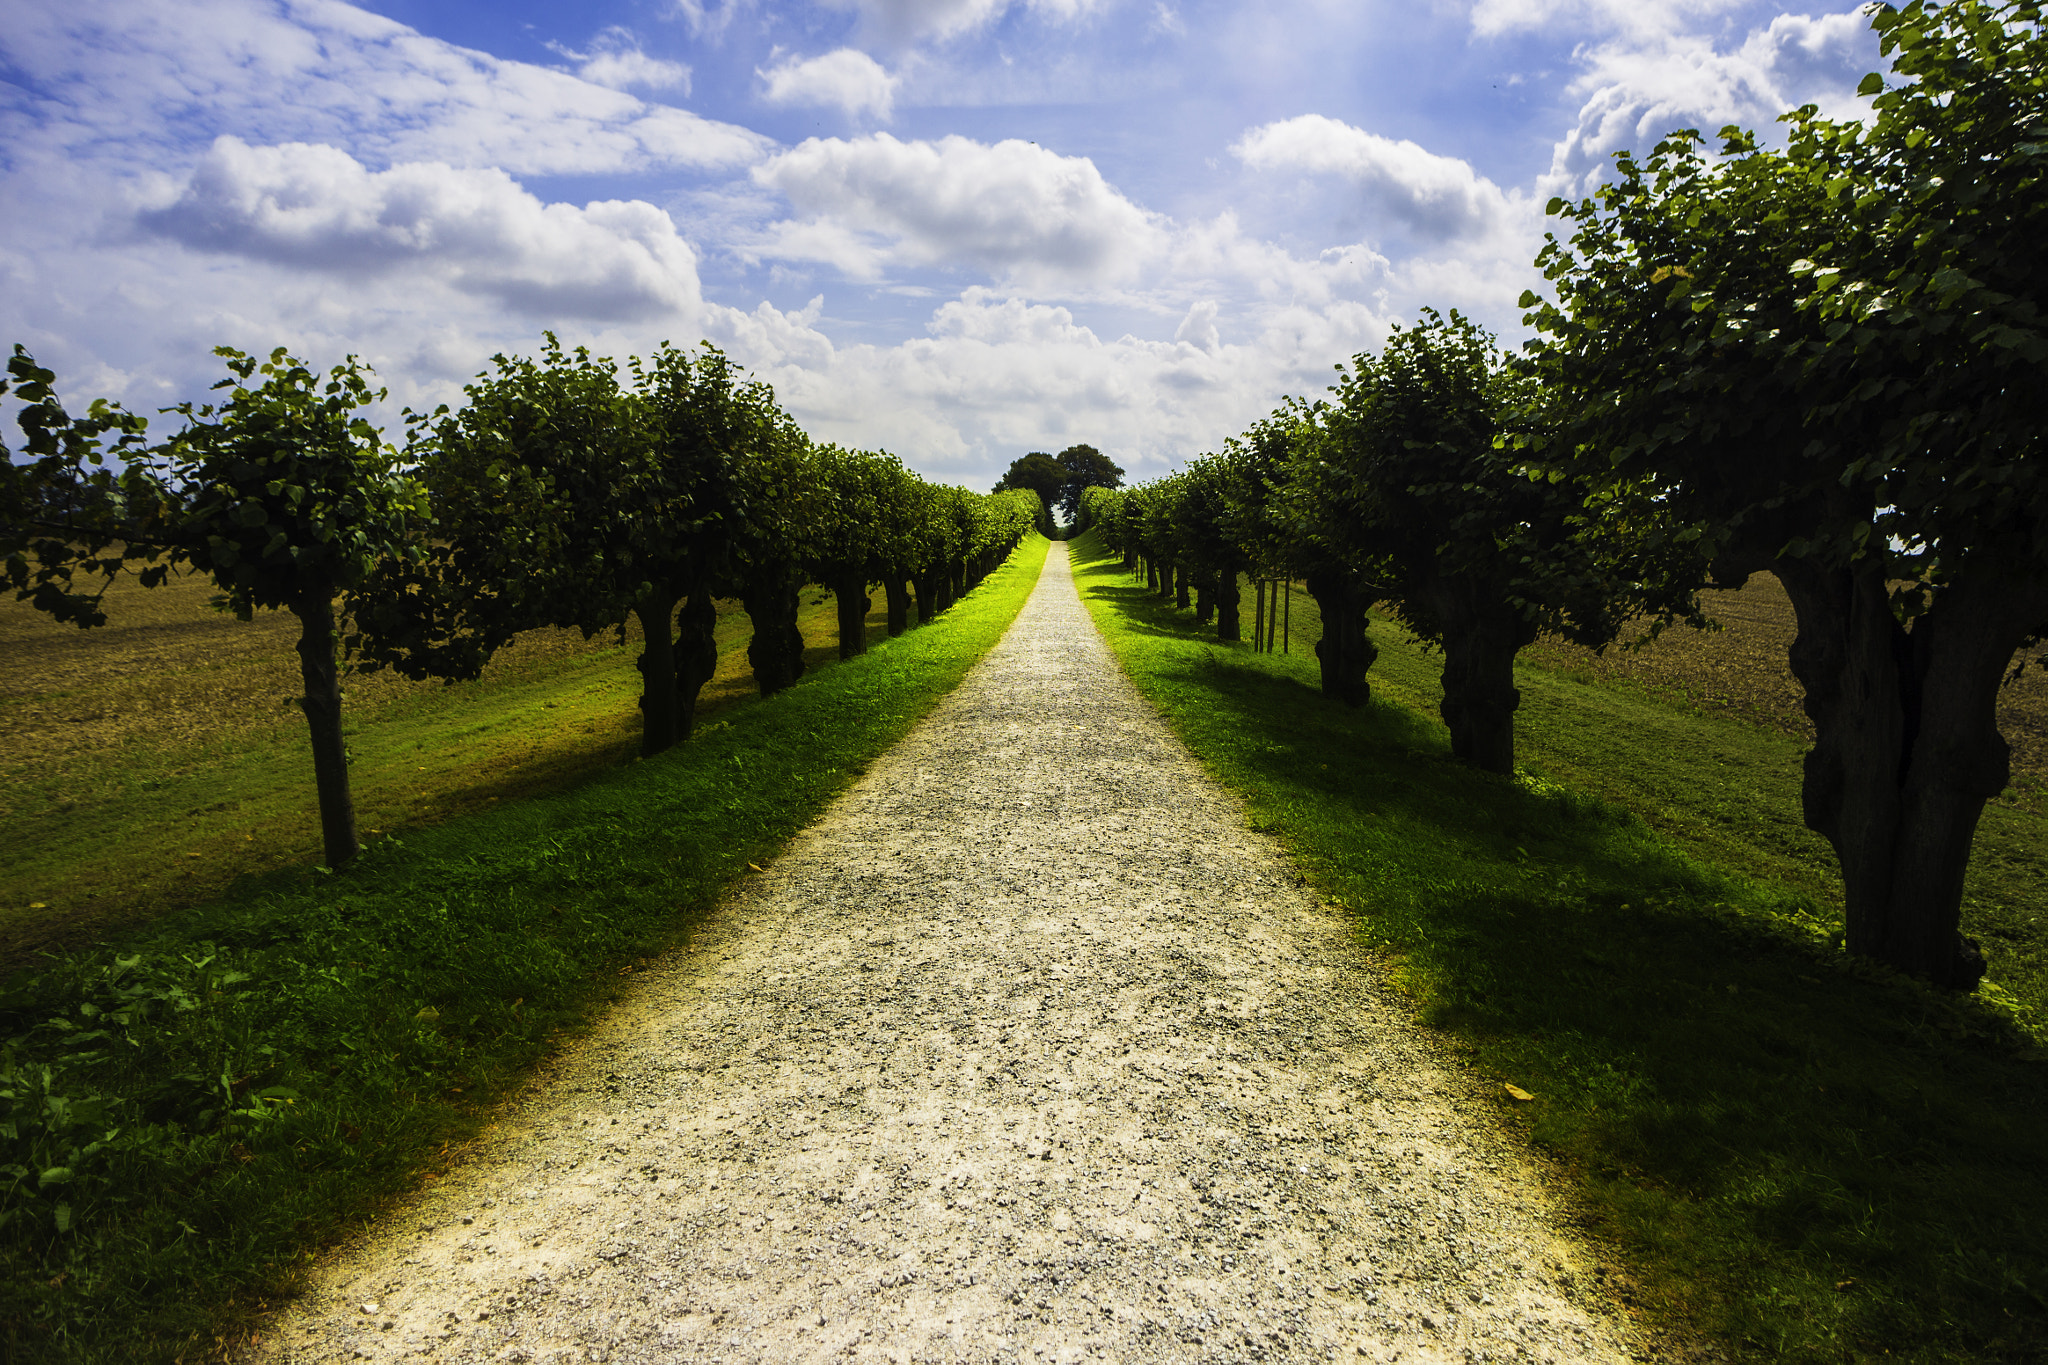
{"x":1205,"y":602}
{"x":314,"y":607}
{"x":897,"y":595}
{"x":1229,"y":623}
{"x":850,"y":596}
{"x":777,"y":649}
{"x":1482,"y":634}
{"x":927,"y":586}
{"x":1259,"y":616}
{"x":1346,"y":651}
{"x":657,"y":664}
{"x":1151,"y":575}
{"x":696,"y":656}
{"x":1906,"y":748}
{"x":1180,"y":587}
{"x":958,"y":583}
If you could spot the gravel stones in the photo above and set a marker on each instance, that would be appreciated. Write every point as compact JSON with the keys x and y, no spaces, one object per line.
{"x":1028,"y":1051}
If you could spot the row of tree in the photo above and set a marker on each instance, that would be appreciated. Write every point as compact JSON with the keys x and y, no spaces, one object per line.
{"x":563,"y":492}
{"x":1827,"y":361}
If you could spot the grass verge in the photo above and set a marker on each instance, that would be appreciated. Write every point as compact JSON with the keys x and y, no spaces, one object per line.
{"x":1804,"y":1158}
{"x":186,"y":1117}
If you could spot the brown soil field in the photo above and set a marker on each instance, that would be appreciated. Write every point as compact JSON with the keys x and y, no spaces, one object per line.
{"x":148,"y":763}
{"x":1741,"y":670}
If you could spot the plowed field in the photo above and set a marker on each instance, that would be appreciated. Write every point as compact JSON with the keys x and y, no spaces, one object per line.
{"x":1741,"y":670}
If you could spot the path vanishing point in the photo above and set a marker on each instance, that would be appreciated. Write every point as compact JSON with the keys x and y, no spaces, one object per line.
{"x":1028,"y":1051}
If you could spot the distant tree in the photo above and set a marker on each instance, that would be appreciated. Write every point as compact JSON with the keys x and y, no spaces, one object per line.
{"x":281,"y":492}
{"x":1086,"y":468}
{"x":1038,"y":473}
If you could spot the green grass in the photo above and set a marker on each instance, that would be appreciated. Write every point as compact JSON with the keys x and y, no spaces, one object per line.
{"x":117,"y":833}
{"x":193,"y":1112}
{"x":1803,"y":1158}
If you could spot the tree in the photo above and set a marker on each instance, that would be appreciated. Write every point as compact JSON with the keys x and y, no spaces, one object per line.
{"x":1038,"y":473}
{"x":1086,"y":468}
{"x":858,"y":490}
{"x":281,"y":492}
{"x":1832,"y":361}
{"x":563,"y":498}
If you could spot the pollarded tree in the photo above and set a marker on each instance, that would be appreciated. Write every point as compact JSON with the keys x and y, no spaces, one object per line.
{"x":1202,"y":524}
{"x":1312,"y":514}
{"x":1106,"y":512}
{"x":563,"y":498}
{"x":1833,"y":360}
{"x":280,"y":491}
{"x":856,"y":490}
{"x":1476,"y":548}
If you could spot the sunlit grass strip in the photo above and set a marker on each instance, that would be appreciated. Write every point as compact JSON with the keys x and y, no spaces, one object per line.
{"x":1807,"y":1161}
{"x":280,"y":1064}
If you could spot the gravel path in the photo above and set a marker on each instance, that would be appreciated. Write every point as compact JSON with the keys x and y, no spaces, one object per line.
{"x":1028,"y":1051}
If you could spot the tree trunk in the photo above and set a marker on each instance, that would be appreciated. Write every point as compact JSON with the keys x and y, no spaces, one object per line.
{"x":1259,"y":616}
{"x":1151,"y":575}
{"x":314,"y":607}
{"x":659,"y":714}
{"x":1346,"y":651}
{"x":927,"y":586}
{"x":696,"y":656}
{"x":777,"y":649}
{"x":1205,"y":601}
{"x":1228,"y":595}
{"x":1906,"y":749}
{"x":850,"y":595}
{"x":959,"y":582}
{"x":897,"y":595}
{"x":1482,"y":634}
{"x":1180,"y":587}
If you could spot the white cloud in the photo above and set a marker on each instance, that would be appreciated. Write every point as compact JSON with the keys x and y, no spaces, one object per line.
{"x":1198,"y":328}
{"x":1015,"y":210}
{"x":847,"y":79}
{"x":136,"y":82}
{"x":1634,"y":93}
{"x":998,"y":375}
{"x":317,"y":208}
{"x":614,"y":60}
{"x":1440,"y":196}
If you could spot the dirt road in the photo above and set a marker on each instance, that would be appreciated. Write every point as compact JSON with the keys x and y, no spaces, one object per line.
{"x":1028,"y":1051}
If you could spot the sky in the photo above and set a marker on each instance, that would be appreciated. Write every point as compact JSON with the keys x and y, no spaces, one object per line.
{"x":955,"y":230}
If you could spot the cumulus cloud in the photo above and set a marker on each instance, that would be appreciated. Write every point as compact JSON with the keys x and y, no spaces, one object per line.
{"x":1634,"y":93}
{"x":848,"y":79}
{"x":1198,"y":328}
{"x":136,"y":81}
{"x":318,"y":208}
{"x":1015,"y":210}
{"x":1439,"y":196}
{"x":614,"y":60}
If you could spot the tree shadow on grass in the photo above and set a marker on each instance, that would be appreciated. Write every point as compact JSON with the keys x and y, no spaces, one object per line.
{"x":1812,"y":1158}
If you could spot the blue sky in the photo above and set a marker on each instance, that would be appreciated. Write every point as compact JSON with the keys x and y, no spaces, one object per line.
{"x":958,"y":230}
